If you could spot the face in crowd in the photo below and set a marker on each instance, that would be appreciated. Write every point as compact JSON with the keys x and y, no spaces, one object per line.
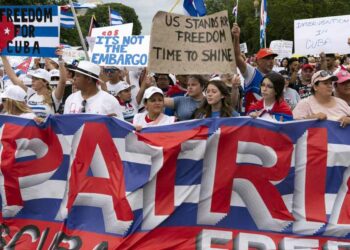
{"x":194,"y":88}
{"x":267,"y":90}
{"x":39,"y":84}
{"x":266,"y":64}
{"x":306,"y":74}
{"x":213,"y":95}
{"x":162,"y":81}
{"x":113,"y":74}
{"x":155,"y":104}
{"x":125,"y":95}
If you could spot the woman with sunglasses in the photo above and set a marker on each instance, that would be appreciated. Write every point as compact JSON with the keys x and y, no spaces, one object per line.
{"x":272,"y":106}
{"x":14,"y":102}
{"x":40,"y":97}
{"x":217,"y":102}
{"x":321,"y":104}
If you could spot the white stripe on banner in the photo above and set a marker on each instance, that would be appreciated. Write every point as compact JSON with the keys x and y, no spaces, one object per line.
{"x":67,"y":22}
{"x":43,"y":43}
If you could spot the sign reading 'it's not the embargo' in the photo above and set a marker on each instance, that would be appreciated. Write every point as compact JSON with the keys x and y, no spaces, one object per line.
{"x":190,"y":45}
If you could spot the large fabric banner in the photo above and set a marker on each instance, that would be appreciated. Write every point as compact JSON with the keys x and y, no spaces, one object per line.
{"x":29,"y":30}
{"x":92,"y":182}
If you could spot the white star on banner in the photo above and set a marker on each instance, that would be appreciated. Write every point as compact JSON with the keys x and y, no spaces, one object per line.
{"x":7,"y":31}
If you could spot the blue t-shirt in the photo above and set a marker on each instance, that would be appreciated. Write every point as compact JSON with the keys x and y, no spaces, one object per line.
{"x":216,"y":114}
{"x":185,"y":106}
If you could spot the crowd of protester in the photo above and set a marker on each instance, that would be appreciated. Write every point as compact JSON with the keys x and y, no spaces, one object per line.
{"x":295,"y":88}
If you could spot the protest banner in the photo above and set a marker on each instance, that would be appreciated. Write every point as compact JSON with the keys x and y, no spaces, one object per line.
{"x":127,"y":51}
{"x":92,"y":182}
{"x":70,"y":54}
{"x":29,"y":30}
{"x":243,"y":47}
{"x":282,"y":48}
{"x":191,"y":45}
{"x":118,"y":30}
{"x":327,"y":34}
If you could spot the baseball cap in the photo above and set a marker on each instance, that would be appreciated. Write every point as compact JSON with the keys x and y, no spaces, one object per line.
{"x":323,"y":75}
{"x":307,"y":66}
{"x":151,"y":91}
{"x":87,"y":68}
{"x":14,"y":92}
{"x":122,"y":86}
{"x":41,"y":74}
{"x":264,"y":53}
{"x":343,"y":76}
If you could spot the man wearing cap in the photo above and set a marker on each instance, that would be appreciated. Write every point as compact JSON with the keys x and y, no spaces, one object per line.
{"x":303,"y":83}
{"x":90,"y":99}
{"x":331,"y":63}
{"x":252,"y":76}
{"x":123,"y":93}
{"x":342,"y":86}
{"x":114,"y":76}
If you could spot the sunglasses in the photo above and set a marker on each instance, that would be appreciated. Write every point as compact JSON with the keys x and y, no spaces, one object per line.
{"x":109,"y":71}
{"x":325,"y":73}
{"x":83,"y":106}
{"x":55,"y":78}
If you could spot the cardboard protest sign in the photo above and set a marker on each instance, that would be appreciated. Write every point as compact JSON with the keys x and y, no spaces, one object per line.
{"x":29,"y":30}
{"x":190,"y":45}
{"x":282,"y":48}
{"x":121,"y":51}
{"x":327,"y":34}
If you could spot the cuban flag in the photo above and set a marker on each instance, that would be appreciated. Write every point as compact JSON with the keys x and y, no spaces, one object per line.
{"x":80,"y":6}
{"x":115,"y":18}
{"x":263,"y":23}
{"x":67,"y":19}
{"x":21,"y":68}
{"x":30,"y":30}
{"x":195,"y":7}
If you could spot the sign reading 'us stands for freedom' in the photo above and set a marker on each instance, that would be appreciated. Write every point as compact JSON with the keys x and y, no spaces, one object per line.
{"x":29,"y":30}
{"x":92,"y":182}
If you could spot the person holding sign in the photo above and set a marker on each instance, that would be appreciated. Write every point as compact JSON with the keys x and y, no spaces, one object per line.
{"x":321,"y":104}
{"x":153,"y":100}
{"x":272,"y":106}
{"x":41,"y":99}
{"x":217,"y":102}
{"x":252,"y":76}
{"x":90,"y":99}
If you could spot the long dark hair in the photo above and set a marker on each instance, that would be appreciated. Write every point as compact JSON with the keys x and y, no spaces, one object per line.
{"x":226,"y":109}
{"x":278,"y":84}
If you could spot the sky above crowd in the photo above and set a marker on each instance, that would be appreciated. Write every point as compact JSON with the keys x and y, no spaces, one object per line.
{"x":146,"y":9}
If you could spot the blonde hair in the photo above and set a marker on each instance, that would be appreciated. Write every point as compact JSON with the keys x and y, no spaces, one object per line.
{"x":48,"y":95}
{"x":14,"y":107}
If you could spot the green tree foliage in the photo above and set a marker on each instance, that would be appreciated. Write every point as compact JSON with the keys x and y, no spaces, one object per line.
{"x":70,"y":36}
{"x":282,"y":14}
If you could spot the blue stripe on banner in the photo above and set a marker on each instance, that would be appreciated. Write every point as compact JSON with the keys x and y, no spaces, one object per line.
{"x":42,"y":32}
{"x":188,"y":172}
{"x":42,"y":209}
{"x":62,"y":171}
{"x":43,"y":52}
{"x":136,"y":175}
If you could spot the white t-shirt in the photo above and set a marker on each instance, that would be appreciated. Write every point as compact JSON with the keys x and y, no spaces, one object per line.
{"x":28,"y":115}
{"x":102,"y":103}
{"x":39,"y":107}
{"x":140,"y":120}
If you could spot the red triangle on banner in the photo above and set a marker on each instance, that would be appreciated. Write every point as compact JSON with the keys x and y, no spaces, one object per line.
{"x":7,"y":32}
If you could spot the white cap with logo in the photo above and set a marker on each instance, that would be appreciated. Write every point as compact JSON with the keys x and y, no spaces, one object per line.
{"x":14,"y":92}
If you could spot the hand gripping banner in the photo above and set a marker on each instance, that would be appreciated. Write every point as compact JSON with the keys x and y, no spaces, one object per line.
{"x":92,"y":182}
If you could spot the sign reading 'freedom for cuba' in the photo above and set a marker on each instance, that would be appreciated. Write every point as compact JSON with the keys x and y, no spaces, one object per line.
{"x":91,"y":182}
{"x":29,"y":30}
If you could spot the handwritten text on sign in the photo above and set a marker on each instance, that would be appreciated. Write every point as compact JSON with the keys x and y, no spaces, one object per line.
{"x":29,"y":30}
{"x":328,"y":34}
{"x":180,"y":42}
{"x":121,"y":51}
